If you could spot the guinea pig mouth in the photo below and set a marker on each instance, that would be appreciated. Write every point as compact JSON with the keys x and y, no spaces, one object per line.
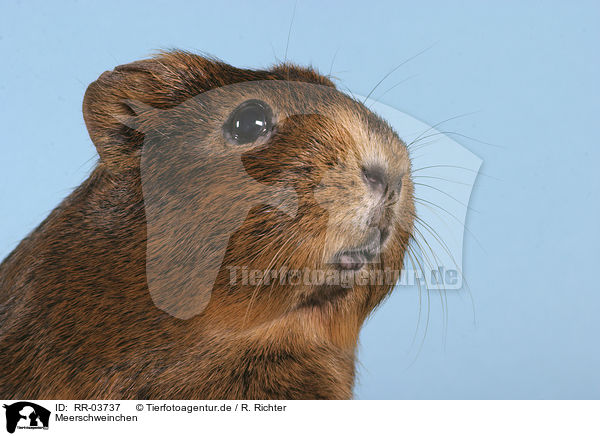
{"x":353,"y":260}
{"x":356,"y":258}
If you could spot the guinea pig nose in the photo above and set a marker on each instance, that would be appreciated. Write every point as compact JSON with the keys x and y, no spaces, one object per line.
{"x":375,"y":179}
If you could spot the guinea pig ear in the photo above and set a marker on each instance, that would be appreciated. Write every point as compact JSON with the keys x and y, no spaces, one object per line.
{"x":119,"y":101}
{"x":109,"y":117}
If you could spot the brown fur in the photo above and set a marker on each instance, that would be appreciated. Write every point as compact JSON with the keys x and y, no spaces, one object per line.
{"x":77,"y":320}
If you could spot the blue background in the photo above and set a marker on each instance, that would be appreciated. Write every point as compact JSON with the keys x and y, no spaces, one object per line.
{"x":528,"y":325}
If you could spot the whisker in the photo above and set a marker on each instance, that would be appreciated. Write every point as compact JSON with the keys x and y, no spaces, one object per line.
{"x":466,"y":285}
{"x":479,"y":173}
{"x":392,"y":87}
{"x":440,"y":123}
{"x":287,"y":44}
{"x":395,"y":69}
{"x":332,"y":61}
{"x":414,"y":259}
{"x":445,"y":193}
{"x":443,"y":290}
{"x":443,"y":166}
{"x":409,"y":253}
{"x":422,"y":201}
{"x":350,"y":91}
{"x":449,"y":132}
{"x":441,"y":178}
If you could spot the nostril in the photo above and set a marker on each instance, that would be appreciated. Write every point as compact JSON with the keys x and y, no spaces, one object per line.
{"x":375,"y":179}
{"x":384,"y":232}
{"x":395,"y":193}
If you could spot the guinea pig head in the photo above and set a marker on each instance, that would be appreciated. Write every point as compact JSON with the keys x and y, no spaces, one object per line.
{"x":265,"y":192}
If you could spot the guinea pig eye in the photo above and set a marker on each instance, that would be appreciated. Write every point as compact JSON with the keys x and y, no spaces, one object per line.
{"x":248,"y":122}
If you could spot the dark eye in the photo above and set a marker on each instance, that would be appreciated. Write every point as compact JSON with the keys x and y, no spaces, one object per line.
{"x":248,"y":122}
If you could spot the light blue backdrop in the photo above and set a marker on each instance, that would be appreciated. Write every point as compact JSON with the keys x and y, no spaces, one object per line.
{"x":529,"y":327}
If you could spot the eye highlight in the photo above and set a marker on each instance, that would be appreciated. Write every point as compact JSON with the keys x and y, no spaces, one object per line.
{"x":248,"y":122}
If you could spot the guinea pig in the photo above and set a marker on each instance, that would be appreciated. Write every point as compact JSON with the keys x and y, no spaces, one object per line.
{"x":238,"y":229}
